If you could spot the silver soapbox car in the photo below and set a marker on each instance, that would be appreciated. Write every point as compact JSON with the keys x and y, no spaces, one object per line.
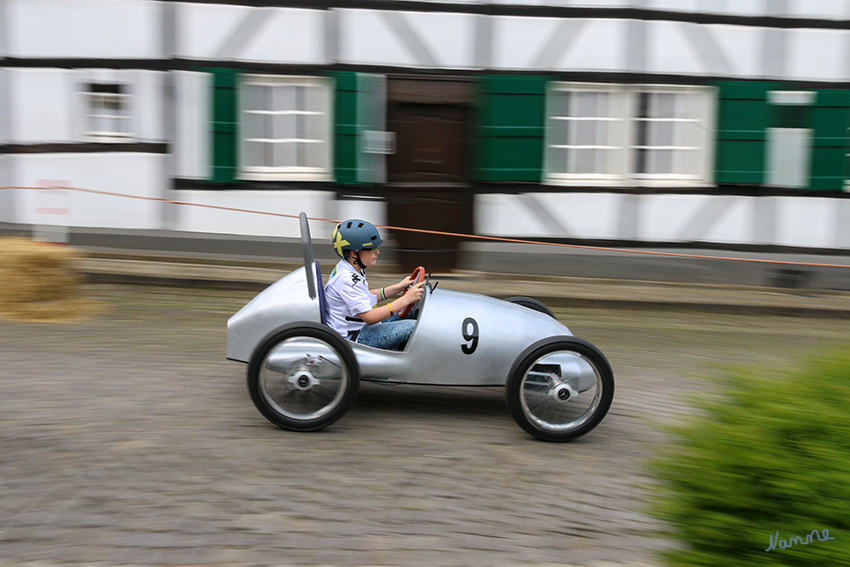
{"x":303,"y":376}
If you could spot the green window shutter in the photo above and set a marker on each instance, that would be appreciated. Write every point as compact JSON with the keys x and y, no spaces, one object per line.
{"x":346,"y":130}
{"x":224,"y":125}
{"x":742,"y":121}
{"x":830,"y":122}
{"x":511,"y":128}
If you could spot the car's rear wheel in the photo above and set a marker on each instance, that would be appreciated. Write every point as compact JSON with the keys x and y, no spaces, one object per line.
{"x":560,"y":389}
{"x":304,"y":378}
{"x":532,"y":304}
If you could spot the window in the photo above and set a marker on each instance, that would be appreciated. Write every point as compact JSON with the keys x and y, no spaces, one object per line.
{"x":285,"y":128}
{"x":670,"y":134}
{"x":585,"y":133}
{"x":628,"y":135}
{"x":108,"y":113}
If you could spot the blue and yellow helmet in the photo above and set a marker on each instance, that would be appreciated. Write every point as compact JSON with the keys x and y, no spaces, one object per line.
{"x":355,"y":235}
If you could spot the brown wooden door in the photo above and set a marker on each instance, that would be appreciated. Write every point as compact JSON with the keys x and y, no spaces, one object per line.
{"x":431,"y":144}
{"x":428,"y":176}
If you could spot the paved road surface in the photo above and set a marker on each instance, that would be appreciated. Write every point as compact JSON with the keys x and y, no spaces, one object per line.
{"x":128,"y":439}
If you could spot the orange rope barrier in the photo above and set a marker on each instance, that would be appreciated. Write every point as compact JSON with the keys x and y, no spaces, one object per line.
{"x":441,"y":233}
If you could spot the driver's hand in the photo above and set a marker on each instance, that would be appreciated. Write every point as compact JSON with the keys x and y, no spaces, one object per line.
{"x":414,"y":293}
{"x":406,"y":281}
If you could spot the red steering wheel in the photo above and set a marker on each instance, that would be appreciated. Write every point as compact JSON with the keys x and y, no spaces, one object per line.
{"x":417,"y":276}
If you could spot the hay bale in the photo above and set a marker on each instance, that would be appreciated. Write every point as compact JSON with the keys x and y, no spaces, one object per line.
{"x":40,"y":281}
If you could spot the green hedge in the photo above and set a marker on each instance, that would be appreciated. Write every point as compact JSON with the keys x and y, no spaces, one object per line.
{"x":770,"y":454}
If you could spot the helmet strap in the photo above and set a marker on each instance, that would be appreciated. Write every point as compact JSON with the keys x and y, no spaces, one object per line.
{"x":359,"y":263}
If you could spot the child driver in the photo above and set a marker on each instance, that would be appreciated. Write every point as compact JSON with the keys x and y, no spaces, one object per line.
{"x":350,"y":302}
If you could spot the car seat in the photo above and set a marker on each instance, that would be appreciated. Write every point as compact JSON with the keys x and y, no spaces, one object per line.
{"x":320,"y":291}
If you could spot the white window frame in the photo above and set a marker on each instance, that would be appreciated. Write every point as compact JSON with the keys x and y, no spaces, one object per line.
{"x":616,"y":130}
{"x":698,"y":129}
{"x":622,"y":144}
{"x":323,"y":172}
{"x":98,"y":114}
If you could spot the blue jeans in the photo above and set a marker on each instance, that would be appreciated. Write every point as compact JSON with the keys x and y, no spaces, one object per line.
{"x":388,"y":334}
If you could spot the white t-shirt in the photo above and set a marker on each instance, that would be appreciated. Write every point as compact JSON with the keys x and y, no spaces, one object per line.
{"x":347,"y":294}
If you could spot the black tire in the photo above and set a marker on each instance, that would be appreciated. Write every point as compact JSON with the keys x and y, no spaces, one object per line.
{"x":532,"y":304}
{"x":304,"y":392}
{"x":559,"y":408}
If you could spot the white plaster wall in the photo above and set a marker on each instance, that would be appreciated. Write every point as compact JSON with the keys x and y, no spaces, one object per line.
{"x":799,"y":221}
{"x":537,"y":2}
{"x":291,"y":36}
{"x":584,"y":215}
{"x":578,"y":3}
{"x":841,"y":218}
{"x":600,"y":46}
{"x":47,"y":105}
{"x":107,"y":29}
{"x":805,"y":221}
{"x":736,"y":226}
{"x":517,"y":42}
{"x":285,"y":35}
{"x":41,"y":105}
{"x":731,"y":7}
{"x":673,"y":5}
{"x":450,"y":38}
{"x":522,"y":215}
{"x":366,"y":39}
{"x":826,"y":9}
{"x":669,"y":52}
{"x":734,"y":7}
{"x":593,"y":214}
{"x":590,"y":3}
{"x":192,"y":144}
{"x":126,"y":173}
{"x":664,"y":217}
{"x":502,"y":215}
{"x":220,"y":221}
{"x":5,"y":107}
{"x":204,"y":28}
{"x":148,"y":105}
{"x":818,"y":55}
{"x":316,"y":204}
{"x":742,"y":47}
{"x":818,"y":9}
{"x":670,"y":49}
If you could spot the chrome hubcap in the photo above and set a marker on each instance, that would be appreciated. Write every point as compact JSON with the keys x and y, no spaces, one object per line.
{"x":561,"y":390}
{"x":303,"y":380}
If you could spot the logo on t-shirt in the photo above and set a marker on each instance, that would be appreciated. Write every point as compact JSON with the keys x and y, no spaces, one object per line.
{"x":355,"y":278}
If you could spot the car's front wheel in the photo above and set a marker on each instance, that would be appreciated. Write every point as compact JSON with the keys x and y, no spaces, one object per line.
{"x":560,"y":389}
{"x":304,"y":378}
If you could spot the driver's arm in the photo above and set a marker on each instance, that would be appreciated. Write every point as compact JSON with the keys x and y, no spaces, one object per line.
{"x":378,"y":314}
{"x":394,"y":289}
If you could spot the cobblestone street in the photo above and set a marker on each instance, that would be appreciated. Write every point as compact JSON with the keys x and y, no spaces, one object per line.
{"x":128,"y":439}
